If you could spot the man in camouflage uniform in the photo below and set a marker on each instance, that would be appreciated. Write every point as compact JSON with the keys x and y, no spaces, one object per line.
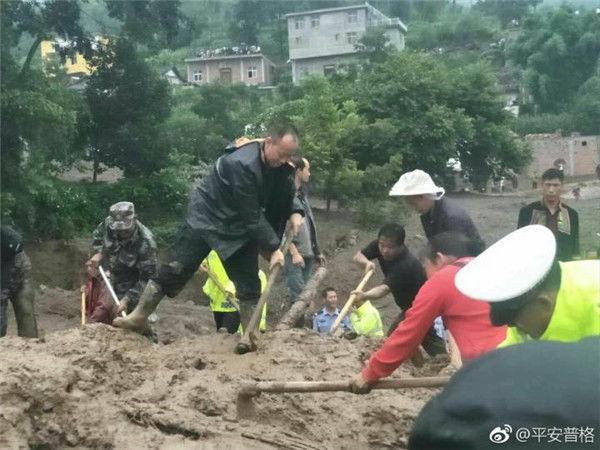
{"x":126,"y":249}
{"x":15,"y":285}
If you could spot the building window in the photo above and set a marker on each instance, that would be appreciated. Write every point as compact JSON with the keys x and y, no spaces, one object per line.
{"x":298,"y":40}
{"x":328,"y":70}
{"x":351,"y":37}
{"x":353,"y":17}
{"x":299,"y":24}
{"x":252,"y":72}
{"x":315,"y":21}
{"x":197,"y":76}
{"x":337,"y":37}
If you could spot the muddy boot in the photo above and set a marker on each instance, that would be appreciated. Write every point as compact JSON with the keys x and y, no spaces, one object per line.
{"x":24,"y":311}
{"x":247,"y":342}
{"x":138,"y":319}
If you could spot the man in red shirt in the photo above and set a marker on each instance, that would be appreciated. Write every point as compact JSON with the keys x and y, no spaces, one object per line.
{"x":466,"y":319}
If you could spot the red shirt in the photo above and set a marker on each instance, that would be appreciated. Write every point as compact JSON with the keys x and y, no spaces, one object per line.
{"x":468,"y":320}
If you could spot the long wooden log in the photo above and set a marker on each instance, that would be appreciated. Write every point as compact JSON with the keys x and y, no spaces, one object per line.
{"x":296,"y":312}
{"x":245,"y":405}
{"x":346,"y":309}
{"x":280,"y":387}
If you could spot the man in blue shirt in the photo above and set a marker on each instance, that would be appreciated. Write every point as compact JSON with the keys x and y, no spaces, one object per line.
{"x":324,"y":319}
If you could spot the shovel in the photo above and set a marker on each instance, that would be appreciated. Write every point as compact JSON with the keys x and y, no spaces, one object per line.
{"x":245,"y":406}
{"x":110,"y":289}
{"x":248,"y":340}
{"x":350,"y":302}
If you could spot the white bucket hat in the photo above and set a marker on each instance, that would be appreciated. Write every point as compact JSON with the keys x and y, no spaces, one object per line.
{"x":416,"y":182}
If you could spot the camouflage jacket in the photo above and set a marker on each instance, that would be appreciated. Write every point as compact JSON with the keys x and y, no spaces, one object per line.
{"x":131,"y":263}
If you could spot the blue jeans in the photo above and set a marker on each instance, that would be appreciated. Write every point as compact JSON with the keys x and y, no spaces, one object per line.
{"x":297,"y":276}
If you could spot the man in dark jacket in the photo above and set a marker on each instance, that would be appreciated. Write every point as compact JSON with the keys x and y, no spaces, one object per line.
{"x":551,"y":212}
{"x":15,"y":285}
{"x":438,"y":214}
{"x":239,"y":210}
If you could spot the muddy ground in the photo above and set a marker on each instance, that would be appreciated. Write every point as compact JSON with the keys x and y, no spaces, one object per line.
{"x":99,"y":387}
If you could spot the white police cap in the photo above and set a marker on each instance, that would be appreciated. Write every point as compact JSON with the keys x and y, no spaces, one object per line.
{"x":511,"y":267}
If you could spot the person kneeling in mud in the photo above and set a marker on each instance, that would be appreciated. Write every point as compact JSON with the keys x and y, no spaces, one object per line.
{"x":126,"y":250}
{"x":221,"y":292}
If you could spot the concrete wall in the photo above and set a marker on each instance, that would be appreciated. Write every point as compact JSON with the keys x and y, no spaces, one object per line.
{"x":321,"y":39}
{"x":211,"y":70}
{"x":580,"y":153}
{"x":303,"y":67}
{"x":329,"y":38}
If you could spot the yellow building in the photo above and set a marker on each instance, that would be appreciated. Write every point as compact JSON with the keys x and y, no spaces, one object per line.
{"x":73,"y":65}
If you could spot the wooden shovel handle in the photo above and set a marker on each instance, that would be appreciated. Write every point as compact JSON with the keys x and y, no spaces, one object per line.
{"x":257,"y":313}
{"x":277,"y":387}
{"x":350,"y":302}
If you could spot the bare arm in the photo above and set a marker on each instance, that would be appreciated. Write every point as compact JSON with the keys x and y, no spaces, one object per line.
{"x":362,"y":260}
{"x":377,"y":292}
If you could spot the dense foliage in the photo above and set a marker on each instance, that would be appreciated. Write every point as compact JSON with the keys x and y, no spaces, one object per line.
{"x":441,"y":98}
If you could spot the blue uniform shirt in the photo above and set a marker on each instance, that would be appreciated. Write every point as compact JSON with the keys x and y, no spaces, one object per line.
{"x":323,"y":320}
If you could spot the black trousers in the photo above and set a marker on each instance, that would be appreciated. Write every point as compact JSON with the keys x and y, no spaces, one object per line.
{"x":228,"y":320}
{"x":190,"y":249}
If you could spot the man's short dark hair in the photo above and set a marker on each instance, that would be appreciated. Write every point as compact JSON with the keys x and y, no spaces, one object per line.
{"x":279,"y":129}
{"x":451,"y":243}
{"x":326,"y":290}
{"x":552,"y":174}
{"x":298,"y":162}
{"x":392,"y":231}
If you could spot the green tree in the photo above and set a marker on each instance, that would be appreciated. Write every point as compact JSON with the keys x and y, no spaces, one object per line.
{"x":559,"y":51}
{"x":374,"y":47}
{"x":587,"y":107}
{"x":127,"y":104}
{"x":39,"y":115}
{"x":323,"y":125}
{"x":493,"y":146}
{"x":412,"y":92}
{"x":154,"y":23}
{"x":506,"y":10}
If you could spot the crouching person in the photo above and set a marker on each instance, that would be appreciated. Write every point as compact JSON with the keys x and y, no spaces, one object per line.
{"x":467,"y":320}
{"x":126,"y":250}
{"x":221,"y":291}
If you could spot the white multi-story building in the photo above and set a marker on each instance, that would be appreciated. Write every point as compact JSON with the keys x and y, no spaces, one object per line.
{"x":322,"y":39}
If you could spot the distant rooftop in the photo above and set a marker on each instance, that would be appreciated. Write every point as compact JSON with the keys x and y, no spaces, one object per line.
{"x":382,"y":19}
{"x":222,"y":52}
{"x":326,"y":10}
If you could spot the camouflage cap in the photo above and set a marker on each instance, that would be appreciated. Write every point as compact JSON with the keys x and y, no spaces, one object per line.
{"x":122,"y":216}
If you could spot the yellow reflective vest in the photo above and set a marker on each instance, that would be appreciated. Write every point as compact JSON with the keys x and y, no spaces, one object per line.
{"x":217,"y":279}
{"x":576,"y":312}
{"x":366,"y":320}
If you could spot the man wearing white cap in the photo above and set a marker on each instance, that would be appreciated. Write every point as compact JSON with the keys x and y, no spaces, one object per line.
{"x":529,"y":290}
{"x":438,"y":214}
